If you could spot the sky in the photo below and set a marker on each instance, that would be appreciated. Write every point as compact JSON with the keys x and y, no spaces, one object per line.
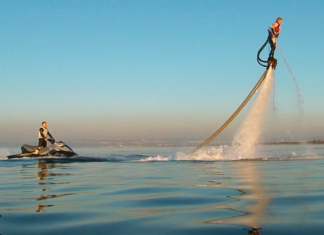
{"x":154,"y":68}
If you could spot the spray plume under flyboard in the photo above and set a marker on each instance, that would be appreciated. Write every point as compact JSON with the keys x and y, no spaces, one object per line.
{"x":248,"y":135}
{"x":239,"y":109}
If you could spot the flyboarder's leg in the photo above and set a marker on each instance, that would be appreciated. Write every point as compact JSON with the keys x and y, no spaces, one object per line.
{"x":273,"y":45}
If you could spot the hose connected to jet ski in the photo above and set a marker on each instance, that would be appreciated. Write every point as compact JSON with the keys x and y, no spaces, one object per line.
{"x":233,"y":115}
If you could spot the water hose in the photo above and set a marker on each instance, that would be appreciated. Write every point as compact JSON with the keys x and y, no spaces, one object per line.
{"x":233,"y":115}
{"x":261,"y":62}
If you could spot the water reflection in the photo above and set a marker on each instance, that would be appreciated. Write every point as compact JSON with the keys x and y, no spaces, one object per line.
{"x":0,"y":217}
{"x":251,"y":205}
{"x":251,"y":178}
{"x":43,"y":175}
{"x":45,"y":197}
{"x":41,"y":208}
{"x":253,"y":231}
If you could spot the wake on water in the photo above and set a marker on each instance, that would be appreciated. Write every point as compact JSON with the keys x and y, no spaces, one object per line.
{"x":209,"y":154}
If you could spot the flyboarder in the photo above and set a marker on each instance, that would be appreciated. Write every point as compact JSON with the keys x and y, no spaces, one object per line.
{"x":274,"y":32}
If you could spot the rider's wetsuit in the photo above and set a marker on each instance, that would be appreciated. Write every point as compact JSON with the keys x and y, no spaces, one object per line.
{"x":42,"y":137}
{"x":274,"y":31}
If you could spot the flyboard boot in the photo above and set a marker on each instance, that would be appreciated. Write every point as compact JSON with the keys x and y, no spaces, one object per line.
{"x":271,"y":60}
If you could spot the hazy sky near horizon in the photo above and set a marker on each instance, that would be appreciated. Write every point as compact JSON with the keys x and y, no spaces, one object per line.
{"x":153,"y":68}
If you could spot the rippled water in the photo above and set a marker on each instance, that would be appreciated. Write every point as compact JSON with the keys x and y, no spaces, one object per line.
{"x":161,"y":191}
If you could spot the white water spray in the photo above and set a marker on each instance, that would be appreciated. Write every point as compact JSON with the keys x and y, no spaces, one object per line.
{"x":300,"y":98}
{"x":4,"y":152}
{"x":248,"y":135}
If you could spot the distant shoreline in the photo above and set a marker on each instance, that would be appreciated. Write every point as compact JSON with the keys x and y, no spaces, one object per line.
{"x":154,"y":144}
{"x":293,"y":142}
{"x":143,"y":143}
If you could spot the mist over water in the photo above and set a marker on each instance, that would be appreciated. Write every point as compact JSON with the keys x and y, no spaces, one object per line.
{"x":248,"y":135}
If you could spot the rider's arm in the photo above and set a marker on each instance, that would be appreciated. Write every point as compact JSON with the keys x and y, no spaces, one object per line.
{"x":50,"y":134}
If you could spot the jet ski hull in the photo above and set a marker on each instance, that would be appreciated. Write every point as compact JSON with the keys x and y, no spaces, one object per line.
{"x":59,"y":149}
{"x":32,"y":155}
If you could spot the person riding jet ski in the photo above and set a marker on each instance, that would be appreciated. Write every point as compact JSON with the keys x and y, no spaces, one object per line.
{"x":42,"y":137}
{"x":56,"y":149}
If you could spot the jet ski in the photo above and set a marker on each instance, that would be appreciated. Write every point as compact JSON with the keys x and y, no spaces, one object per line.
{"x":56,"y":149}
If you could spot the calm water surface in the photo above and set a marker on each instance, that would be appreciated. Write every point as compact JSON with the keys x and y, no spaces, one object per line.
{"x":163,"y":191}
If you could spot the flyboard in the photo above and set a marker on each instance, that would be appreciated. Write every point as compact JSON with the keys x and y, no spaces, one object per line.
{"x":270,"y":64}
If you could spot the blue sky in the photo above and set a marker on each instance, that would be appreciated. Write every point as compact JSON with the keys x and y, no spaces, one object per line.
{"x":152,"y":69}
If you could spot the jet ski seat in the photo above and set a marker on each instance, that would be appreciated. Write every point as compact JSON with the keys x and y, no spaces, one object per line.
{"x":28,"y":148}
